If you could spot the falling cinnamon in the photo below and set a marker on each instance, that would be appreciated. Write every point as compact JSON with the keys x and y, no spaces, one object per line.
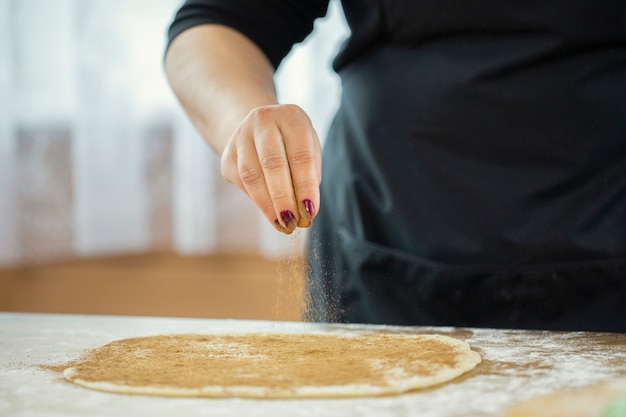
{"x":291,"y":272}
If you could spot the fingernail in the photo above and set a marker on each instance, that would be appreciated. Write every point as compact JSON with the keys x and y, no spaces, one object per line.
{"x":287,"y":217}
{"x":309,"y":207}
{"x":279,"y":226}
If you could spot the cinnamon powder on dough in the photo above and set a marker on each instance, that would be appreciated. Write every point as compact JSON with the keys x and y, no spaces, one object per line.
{"x":278,"y":362}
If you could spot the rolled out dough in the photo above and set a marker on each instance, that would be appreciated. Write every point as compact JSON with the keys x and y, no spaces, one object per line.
{"x":273,"y":365}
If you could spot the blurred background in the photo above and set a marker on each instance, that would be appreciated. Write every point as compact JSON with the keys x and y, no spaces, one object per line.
{"x":110,"y":202}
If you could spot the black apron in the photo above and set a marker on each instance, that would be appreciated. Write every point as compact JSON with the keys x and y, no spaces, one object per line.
{"x":475,"y":173}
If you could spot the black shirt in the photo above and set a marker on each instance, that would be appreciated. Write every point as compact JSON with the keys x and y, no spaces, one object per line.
{"x":478,"y":157}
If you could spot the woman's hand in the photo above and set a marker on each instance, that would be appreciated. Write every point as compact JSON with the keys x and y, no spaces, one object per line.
{"x":221,"y":77}
{"x":274,"y":156}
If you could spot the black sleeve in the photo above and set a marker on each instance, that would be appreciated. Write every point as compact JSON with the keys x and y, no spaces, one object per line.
{"x":274,"y":25}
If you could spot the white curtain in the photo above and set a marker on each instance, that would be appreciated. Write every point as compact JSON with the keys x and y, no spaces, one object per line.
{"x":96,"y":156}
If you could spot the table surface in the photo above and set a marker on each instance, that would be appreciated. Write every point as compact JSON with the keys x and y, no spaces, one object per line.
{"x":517,"y":365}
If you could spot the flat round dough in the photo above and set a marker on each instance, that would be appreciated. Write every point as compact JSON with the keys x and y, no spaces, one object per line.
{"x":273,"y":365}
{"x":591,"y":401}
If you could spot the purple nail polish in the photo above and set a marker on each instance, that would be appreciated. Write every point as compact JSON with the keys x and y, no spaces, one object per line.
{"x":309,"y":207}
{"x":287,"y":217}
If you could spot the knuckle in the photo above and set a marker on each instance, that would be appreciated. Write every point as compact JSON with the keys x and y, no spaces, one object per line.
{"x":273,"y":162}
{"x":259,"y":114}
{"x":254,"y":114}
{"x":294,"y":115}
{"x":292,"y":110}
{"x":305,"y":157}
{"x":250,"y":176}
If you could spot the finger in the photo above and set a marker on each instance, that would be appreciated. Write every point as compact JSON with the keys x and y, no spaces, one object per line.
{"x":251,"y":180}
{"x":272,"y":157}
{"x":304,"y":158}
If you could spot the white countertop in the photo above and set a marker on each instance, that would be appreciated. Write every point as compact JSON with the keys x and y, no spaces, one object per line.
{"x":516,"y":365}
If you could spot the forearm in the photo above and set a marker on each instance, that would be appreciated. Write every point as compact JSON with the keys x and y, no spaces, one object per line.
{"x":219,"y":76}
